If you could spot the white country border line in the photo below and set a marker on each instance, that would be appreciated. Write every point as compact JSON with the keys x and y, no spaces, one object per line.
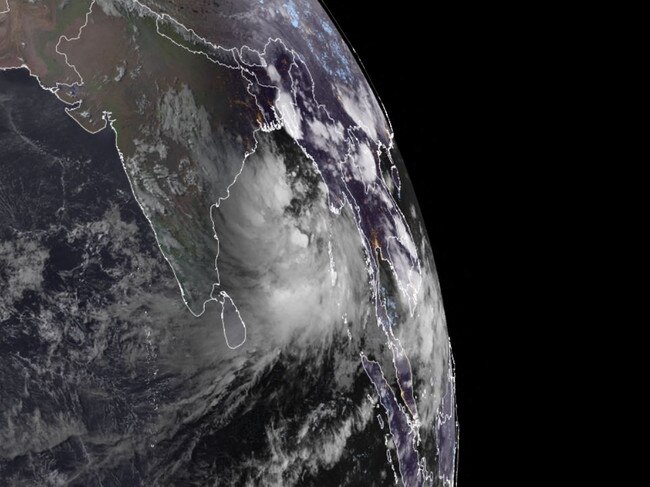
{"x":77,"y":37}
{"x":246,"y":156}
{"x":379,"y":181}
{"x":412,"y":425}
{"x":319,"y":105}
{"x":40,"y":83}
{"x":24,"y":65}
{"x":223,"y":294}
{"x":392,"y":340}
{"x":403,"y":286}
{"x":70,"y":106}
{"x":389,"y":457}
{"x":160,"y":17}
{"x":108,"y":121}
{"x":374,"y":278}
{"x":266,"y":127}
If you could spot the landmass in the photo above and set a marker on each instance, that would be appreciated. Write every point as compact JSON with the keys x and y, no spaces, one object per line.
{"x":192,"y":100}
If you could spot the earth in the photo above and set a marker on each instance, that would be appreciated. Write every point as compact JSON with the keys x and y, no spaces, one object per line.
{"x":213,"y":267}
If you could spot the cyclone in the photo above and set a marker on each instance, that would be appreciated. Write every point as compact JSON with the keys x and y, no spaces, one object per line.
{"x":213,"y":267}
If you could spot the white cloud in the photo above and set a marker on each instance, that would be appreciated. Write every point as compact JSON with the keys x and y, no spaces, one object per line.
{"x":360,"y":108}
{"x":290,"y":116}
{"x":366,"y":164}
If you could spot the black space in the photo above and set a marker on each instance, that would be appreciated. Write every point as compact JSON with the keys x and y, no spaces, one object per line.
{"x":453,"y":81}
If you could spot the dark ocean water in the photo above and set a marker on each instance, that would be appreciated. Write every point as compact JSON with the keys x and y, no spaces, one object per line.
{"x":71,"y":238}
{"x":106,"y":378}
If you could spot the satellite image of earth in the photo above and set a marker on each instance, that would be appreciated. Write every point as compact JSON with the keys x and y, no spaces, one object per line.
{"x":213,"y":267}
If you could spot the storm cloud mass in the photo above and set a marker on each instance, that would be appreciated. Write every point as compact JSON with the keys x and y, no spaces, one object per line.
{"x":220,"y":278}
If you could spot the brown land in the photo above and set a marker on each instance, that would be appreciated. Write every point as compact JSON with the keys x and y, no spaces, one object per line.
{"x":29,"y":33}
{"x":183,"y":122}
